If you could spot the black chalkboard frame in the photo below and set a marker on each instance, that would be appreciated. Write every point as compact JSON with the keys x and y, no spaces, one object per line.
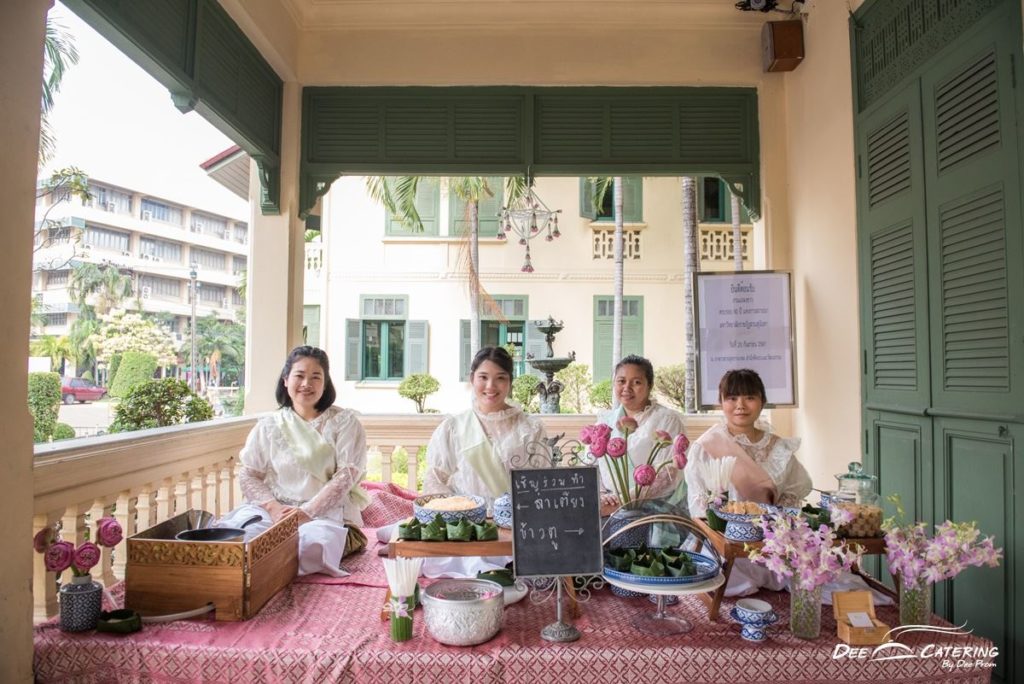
{"x":577,"y":553}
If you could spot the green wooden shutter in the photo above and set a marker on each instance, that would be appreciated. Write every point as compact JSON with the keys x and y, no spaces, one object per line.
{"x":458,"y":216}
{"x":893,"y":255}
{"x":428,"y":204}
{"x":632,"y":199}
{"x":311,"y":322}
{"x":353,"y":351}
{"x":465,"y":352}
{"x":416,"y":347}
{"x":971,"y":169}
{"x":632,"y":332}
{"x":587,"y":209}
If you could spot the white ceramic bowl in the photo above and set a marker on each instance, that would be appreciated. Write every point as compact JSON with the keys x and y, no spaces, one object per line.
{"x":426,"y":516}
{"x":463,"y":612}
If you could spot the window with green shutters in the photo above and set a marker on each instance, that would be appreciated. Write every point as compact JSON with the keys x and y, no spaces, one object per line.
{"x":632,"y":332}
{"x":511,"y":328}
{"x":714,"y":202}
{"x":428,"y":205}
{"x":632,"y":201}
{"x":384,"y":345}
{"x":487,"y":212}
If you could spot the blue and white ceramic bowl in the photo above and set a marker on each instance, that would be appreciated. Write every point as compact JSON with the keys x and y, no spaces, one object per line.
{"x":503,"y":511}
{"x":753,"y":610}
{"x":736,"y":530}
{"x":756,"y":630}
{"x":477,"y":514}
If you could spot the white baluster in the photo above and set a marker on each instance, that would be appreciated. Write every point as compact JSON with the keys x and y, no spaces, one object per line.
{"x":145,"y":512}
{"x":227,"y":489}
{"x":385,"y":463}
{"x":44,"y":584}
{"x":182,"y":494}
{"x":105,"y":571}
{"x":164,"y":501}
{"x":413,"y":464}
{"x":124,"y":512}
{"x":212,"y":501}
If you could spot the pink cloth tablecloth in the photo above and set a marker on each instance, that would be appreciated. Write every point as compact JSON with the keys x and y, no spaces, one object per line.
{"x":322,"y":629}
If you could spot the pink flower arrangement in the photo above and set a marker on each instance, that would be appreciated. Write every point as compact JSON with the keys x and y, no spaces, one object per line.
{"x":59,"y":555}
{"x":600,"y":443}
{"x":952,"y":549}
{"x":809,"y":558}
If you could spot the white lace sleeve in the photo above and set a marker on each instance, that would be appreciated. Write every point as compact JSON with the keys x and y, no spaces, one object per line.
{"x":254,"y":458}
{"x":440,"y":460}
{"x":697,"y":498}
{"x":350,"y":461}
{"x":795,"y":485}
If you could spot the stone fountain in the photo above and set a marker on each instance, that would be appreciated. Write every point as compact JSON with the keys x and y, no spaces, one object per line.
{"x":550,"y":391}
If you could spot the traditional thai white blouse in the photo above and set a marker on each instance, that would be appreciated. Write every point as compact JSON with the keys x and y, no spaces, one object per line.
{"x":775,"y":454}
{"x":509,"y":432}
{"x":270,"y":470}
{"x":651,"y":419}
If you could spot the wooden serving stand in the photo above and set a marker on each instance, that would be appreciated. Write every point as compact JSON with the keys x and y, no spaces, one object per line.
{"x":731,"y":550}
{"x":406,"y":548}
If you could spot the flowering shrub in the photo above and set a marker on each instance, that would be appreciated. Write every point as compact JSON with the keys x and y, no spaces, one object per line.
{"x":629,"y":486}
{"x":953,"y":548}
{"x":809,"y":558}
{"x":59,"y":555}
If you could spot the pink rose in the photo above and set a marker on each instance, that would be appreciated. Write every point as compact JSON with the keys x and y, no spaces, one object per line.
{"x":663,"y":436}
{"x":627,"y":425}
{"x":108,"y":532}
{"x":58,"y":556}
{"x":43,"y":539}
{"x":644,"y":474}
{"x":616,"y":447}
{"x":86,"y":556}
{"x":599,"y":446}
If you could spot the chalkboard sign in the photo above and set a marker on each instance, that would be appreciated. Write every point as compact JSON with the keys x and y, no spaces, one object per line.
{"x":556,"y":521}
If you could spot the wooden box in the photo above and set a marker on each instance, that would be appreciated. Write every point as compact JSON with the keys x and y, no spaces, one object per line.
{"x":404,"y":548}
{"x":844,"y":602}
{"x":165,"y":575}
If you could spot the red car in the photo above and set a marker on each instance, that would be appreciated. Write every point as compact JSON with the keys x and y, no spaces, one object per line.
{"x":80,"y":390}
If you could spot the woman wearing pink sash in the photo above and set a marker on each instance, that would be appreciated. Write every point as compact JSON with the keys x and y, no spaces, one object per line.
{"x":766,"y":469}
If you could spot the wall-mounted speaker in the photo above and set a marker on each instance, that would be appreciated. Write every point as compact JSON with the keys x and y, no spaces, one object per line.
{"x":782,"y":45}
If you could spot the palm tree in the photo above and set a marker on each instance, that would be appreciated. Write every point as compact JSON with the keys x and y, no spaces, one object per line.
{"x":601,"y":186}
{"x":80,"y":336}
{"x":691,"y":264}
{"x":57,"y":348}
{"x":59,"y":53}
{"x":107,"y":286}
{"x":471,"y":190}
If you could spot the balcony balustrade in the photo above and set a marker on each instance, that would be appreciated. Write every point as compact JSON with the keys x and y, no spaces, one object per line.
{"x":143,"y":478}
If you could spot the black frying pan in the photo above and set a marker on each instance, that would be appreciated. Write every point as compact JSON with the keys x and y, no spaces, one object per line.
{"x":216,"y":534}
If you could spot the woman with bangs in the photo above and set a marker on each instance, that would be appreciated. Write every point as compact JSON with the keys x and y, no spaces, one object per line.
{"x":766,"y":469}
{"x":307,"y":457}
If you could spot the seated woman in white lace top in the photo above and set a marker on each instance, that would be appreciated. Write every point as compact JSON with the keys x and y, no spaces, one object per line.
{"x":472,"y":452}
{"x":766,"y":469}
{"x":308,"y":456}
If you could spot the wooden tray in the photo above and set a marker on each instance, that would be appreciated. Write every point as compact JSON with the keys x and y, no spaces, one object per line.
{"x":402,"y":548}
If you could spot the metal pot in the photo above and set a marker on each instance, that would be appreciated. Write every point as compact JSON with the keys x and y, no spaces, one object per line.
{"x":463,"y":612}
{"x":216,"y":534}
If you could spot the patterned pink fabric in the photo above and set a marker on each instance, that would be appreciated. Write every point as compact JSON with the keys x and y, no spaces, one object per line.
{"x":315,"y":632}
{"x":387,"y":506}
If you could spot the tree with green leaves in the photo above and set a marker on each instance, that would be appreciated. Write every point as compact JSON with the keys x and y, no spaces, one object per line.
{"x":157,"y":403}
{"x":418,"y":387}
{"x":102,"y":287}
{"x":59,"y":54}
{"x":223,"y":344}
{"x":670,"y":383}
{"x":575,"y":379}
{"x":61,"y":185}
{"x":56,"y":348}
{"x":123,"y":331}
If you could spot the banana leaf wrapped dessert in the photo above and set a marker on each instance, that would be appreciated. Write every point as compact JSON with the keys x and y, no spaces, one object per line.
{"x":409,"y":530}
{"x":486,"y":531}
{"x":460,"y":531}
{"x":435,"y":530}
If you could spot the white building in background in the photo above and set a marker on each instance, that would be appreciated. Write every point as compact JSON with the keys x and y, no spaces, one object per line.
{"x":397,"y":302}
{"x":152,"y":239}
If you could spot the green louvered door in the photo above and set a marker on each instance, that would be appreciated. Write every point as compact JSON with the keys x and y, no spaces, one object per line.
{"x":971,"y":171}
{"x":893,"y":255}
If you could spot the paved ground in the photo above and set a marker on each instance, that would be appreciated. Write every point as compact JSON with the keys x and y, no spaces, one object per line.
{"x":88,"y":419}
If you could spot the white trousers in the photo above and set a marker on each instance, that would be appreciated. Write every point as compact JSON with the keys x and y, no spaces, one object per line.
{"x":321,"y":541}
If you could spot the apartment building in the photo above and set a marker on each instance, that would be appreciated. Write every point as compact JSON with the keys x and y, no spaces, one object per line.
{"x":157,"y":242}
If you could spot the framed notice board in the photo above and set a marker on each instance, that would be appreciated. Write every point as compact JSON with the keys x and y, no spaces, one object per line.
{"x":556,"y":522}
{"x":745,"y":320}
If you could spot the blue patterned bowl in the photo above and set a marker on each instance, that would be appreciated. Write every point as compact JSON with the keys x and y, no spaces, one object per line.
{"x":755,"y":611}
{"x":743,"y":531}
{"x":503,"y":511}
{"x":426,"y":516}
{"x":752,"y":631}
{"x":707,"y":568}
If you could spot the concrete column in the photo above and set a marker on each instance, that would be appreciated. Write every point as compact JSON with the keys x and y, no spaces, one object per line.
{"x":276,"y":269}
{"x":21,"y":69}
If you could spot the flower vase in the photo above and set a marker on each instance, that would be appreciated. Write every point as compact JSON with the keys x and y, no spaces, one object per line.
{"x":805,"y":612}
{"x":915,"y":603}
{"x":80,"y":604}
{"x":630,"y":539}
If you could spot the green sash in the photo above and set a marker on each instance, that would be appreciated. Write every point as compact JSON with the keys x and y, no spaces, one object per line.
{"x":475,"y":449}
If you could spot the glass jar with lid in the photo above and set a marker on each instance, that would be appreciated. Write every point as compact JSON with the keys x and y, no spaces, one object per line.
{"x":856,"y":486}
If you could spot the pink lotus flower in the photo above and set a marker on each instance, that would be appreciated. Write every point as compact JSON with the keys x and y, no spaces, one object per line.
{"x":86,"y":556}
{"x":663,"y":436}
{"x":599,"y":446}
{"x":108,"y":532}
{"x":616,"y":447}
{"x":644,"y":474}
{"x":679,"y":449}
{"x":59,"y":556}
{"x":627,"y":425}
{"x":43,"y":539}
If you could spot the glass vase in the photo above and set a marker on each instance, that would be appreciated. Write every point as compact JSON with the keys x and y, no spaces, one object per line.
{"x":805,"y":612}
{"x":915,"y":603}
